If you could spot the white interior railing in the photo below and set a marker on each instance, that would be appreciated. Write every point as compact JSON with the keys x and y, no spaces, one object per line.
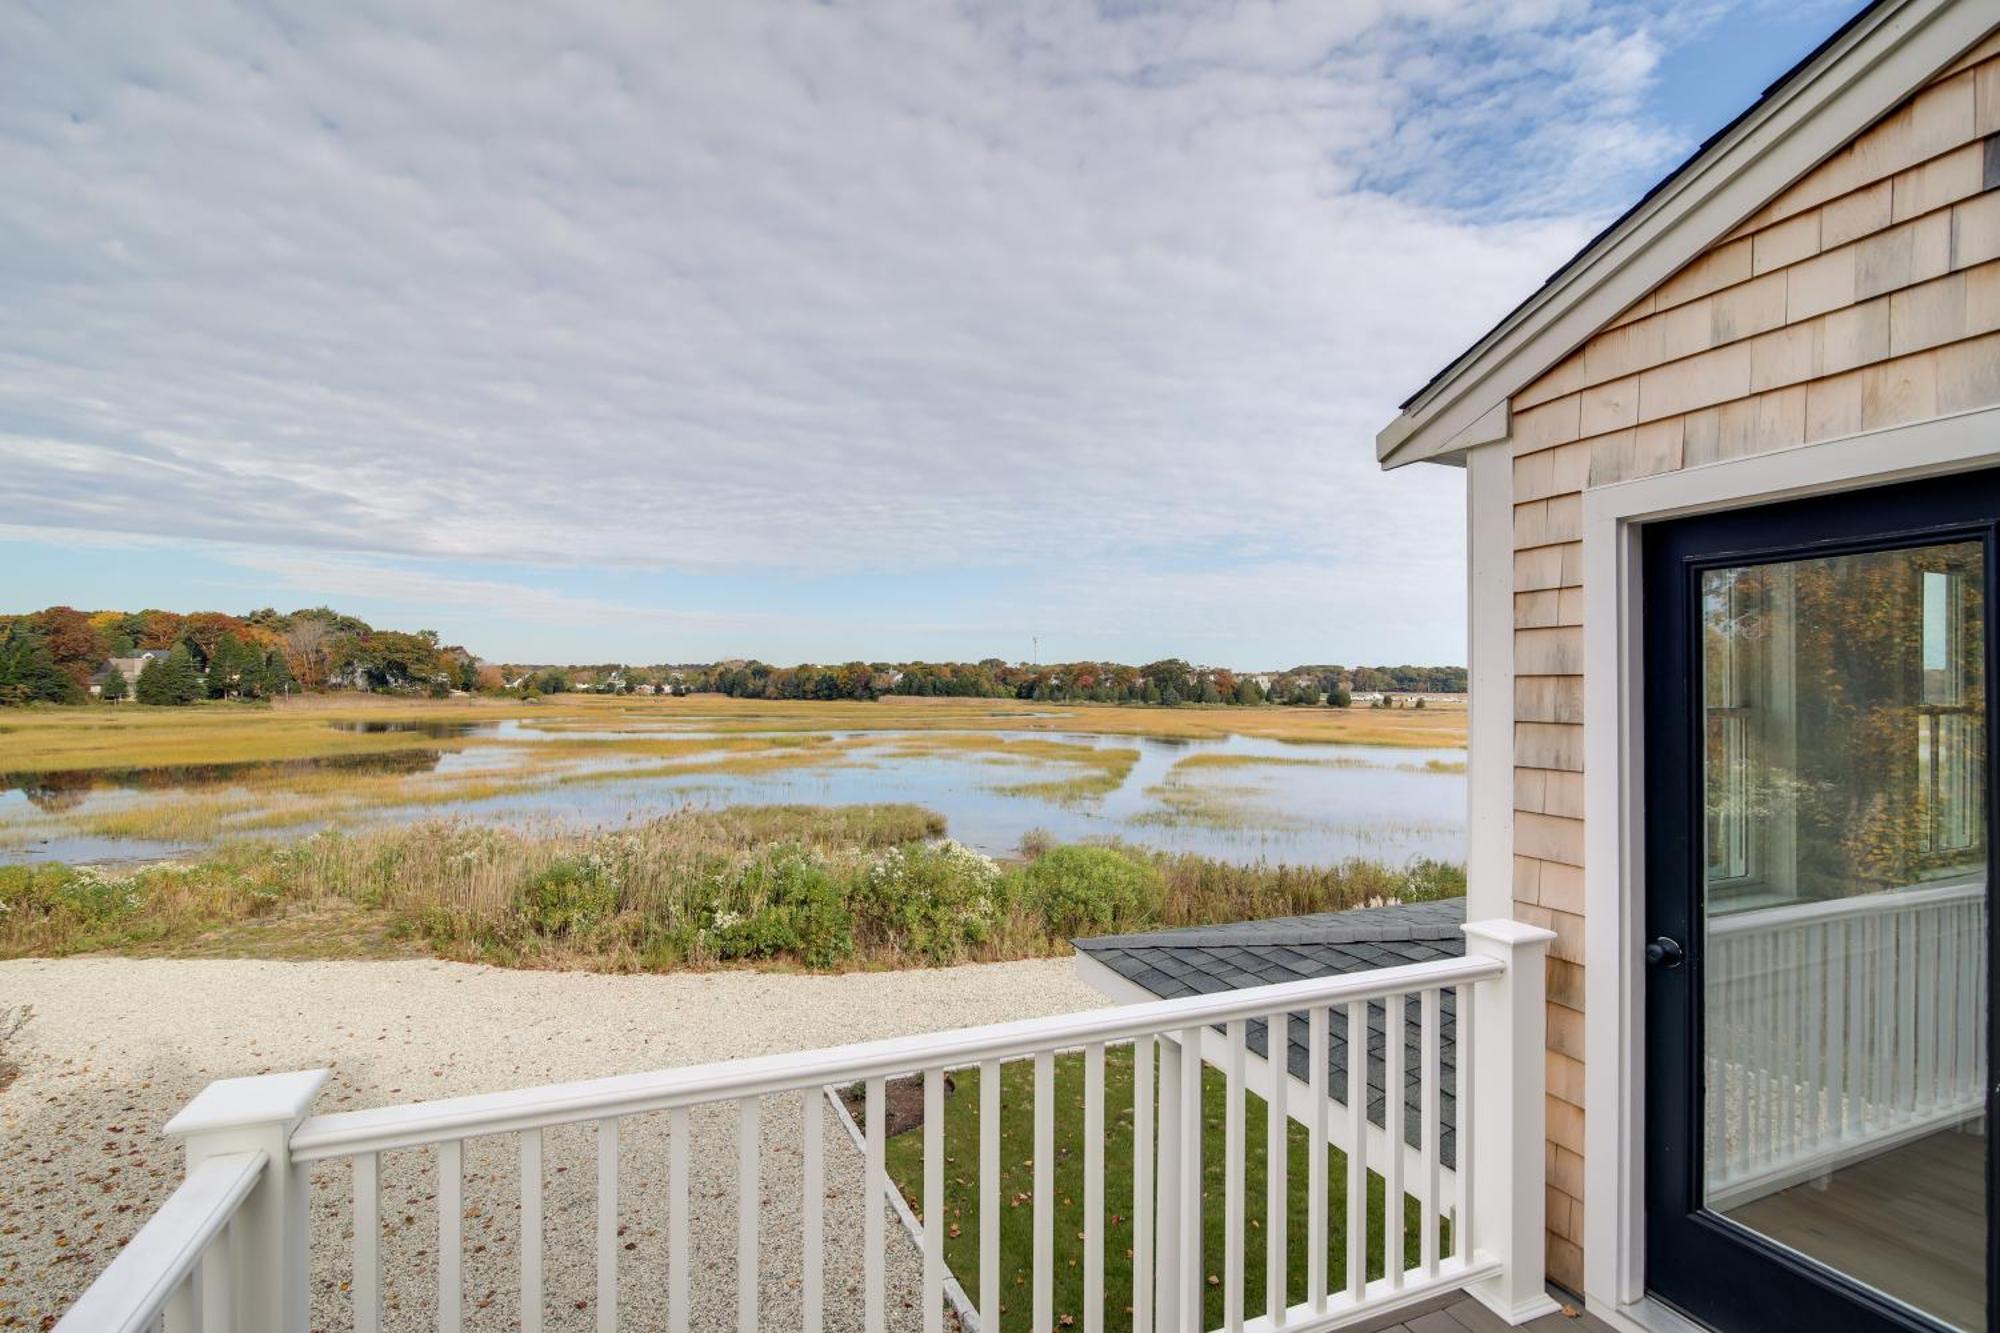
{"x":1492,"y":1217}
{"x":1837,"y":1029}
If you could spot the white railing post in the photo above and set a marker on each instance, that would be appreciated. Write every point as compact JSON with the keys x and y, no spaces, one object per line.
{"x":258,"y":1114}
{"x":1505,"y":1132}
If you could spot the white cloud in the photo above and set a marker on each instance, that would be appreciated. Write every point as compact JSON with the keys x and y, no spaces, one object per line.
{"x":313,"y":578}
{"x":739,"y":287}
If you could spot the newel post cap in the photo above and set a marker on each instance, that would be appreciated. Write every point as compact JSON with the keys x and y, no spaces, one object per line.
{"x":240,"y":1103}
{"x":1508,"y":934}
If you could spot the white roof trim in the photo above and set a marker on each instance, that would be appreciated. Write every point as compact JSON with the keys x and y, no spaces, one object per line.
{"x":1871,"y":68}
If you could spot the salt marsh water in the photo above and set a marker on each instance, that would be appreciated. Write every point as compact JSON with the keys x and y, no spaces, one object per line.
{"x":1237,"y":798}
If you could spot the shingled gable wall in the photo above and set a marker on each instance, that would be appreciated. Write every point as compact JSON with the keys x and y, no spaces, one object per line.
{"x":1866,"y":295}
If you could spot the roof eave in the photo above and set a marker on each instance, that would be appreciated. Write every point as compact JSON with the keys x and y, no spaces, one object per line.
{"x":1863,"y":71}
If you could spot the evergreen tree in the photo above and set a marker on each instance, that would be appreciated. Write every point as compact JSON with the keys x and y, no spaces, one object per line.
{"x":171,"y":680}
{"x":233,"y":668}
{"x":28,"y":670}
{"x":114,"y":687}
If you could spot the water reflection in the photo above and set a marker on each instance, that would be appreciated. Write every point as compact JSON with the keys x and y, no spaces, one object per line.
{"x":59,"y":792}
{"x":441,"y":731}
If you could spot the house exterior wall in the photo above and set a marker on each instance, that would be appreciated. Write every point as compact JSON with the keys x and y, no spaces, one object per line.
{"x":1866,"y":295}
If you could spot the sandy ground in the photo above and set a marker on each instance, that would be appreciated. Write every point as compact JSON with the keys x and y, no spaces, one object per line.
{"x":116,"y":1046}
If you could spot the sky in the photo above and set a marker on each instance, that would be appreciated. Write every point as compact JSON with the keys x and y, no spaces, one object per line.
{"x":664,"y":333}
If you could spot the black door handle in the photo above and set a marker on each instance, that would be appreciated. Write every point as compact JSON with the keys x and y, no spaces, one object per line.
{"x":1664,"y":952}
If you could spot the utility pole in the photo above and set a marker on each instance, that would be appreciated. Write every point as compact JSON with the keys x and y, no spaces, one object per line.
{"x":1036,"y":641}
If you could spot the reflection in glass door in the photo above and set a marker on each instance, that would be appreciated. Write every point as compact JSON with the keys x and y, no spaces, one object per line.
{"x":1842,"y":920}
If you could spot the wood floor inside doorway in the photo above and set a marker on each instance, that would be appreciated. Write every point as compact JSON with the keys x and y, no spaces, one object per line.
{"x":1911,"y":1222}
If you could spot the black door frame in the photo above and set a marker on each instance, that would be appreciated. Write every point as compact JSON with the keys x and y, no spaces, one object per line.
{"x":1710,"y":1268}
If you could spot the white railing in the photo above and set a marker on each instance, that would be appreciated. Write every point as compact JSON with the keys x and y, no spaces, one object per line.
{"x":1838,"y":1029}
{"x":174,"y":1267}
{"x":1483,"y":1233}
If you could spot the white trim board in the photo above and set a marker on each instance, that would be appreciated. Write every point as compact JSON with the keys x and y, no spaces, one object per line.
{"x":1892,"y":51}
{"x":1614,"y":865}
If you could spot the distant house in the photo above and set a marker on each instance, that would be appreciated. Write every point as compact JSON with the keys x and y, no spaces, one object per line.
{"x":128,"y":667}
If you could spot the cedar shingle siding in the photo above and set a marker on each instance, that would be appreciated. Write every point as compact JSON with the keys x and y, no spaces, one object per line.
{"x":1866,"y":295}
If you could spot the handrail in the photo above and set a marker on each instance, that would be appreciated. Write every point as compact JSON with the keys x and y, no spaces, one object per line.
{"x":1865,"y":904}
{"x":137,"y":1285}
{"x":447,"y":1119}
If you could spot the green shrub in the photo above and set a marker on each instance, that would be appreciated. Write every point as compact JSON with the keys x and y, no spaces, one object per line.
{"x":784,"y":902}
{"x":1091,"y":890}
{"x":935,"y":900}
{"x":1426,"y":879}
{"x":76,"y":898}
{"x":573,"y":895}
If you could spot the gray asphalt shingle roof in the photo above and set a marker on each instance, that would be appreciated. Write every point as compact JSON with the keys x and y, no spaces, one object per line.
{"x":1205,"y":960}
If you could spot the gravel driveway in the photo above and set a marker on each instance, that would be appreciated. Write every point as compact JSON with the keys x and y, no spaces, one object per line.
{"x":116,"y":1046}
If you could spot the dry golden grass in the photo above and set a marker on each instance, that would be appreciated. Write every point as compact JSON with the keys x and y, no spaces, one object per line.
{"x":127,"y":736}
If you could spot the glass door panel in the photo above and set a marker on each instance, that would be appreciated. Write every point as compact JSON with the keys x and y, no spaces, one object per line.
{"x":1842,"y":738}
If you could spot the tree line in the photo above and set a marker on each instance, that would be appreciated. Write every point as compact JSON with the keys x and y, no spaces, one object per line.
{"x":1168,"y":682}
{"x":56,"y":654}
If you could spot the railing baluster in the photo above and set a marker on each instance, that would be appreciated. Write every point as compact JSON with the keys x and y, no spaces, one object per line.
{"x":1860,"y":1019}
{"x":1394,"y":1253}
{"x":1317,"y":1039}
{"x":1142,"y":1185}
{"x":1838,"y":1061}
{"x":451,"y":1234}
{"x":1916,"y":959}
{"x":1430,"y":1087}
{"x":216,"y":1283}
{"x":1885,"y":1023}
{"x":607,"y":1225}
{"x":1791,"y":1029}
{"x":1190,"y":1263}
{"x":1752,"y":1064}
{"x":1235,"y":1172}
{"x":1277,"y":1178}
{"x":749,"y":1201}
{"x":367,"y":1283}
{"x":1813,"y":998}
{"x":679,"y":1278}
{"x":989,"y":1194}
{"x":1357,"y":1150}
{"x":933,"y":1201}
{"x":184,"y":1308}
{"x":531,"y":1231}
{"x":1971,"y":997}
{"x":812,"y":1105}
{"x":874,"y":1193}
{"x":1045,"y":1174}
{"x":1093,"y":1188}
{"x":1168,"y":1285}
{"x":1462,"y":1095}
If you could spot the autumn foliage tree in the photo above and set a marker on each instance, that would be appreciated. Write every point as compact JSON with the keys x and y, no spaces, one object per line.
{"x":72,"y":641}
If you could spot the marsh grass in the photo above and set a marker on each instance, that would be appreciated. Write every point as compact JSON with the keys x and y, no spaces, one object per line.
{"x":825,"y":887}
{"x":1212,"y":805}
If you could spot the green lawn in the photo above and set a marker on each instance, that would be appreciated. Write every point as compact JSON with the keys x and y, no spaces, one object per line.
{"x":905,"y":1154}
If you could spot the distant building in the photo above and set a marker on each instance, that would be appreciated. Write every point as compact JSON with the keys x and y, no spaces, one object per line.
{"x":128,"y":667}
